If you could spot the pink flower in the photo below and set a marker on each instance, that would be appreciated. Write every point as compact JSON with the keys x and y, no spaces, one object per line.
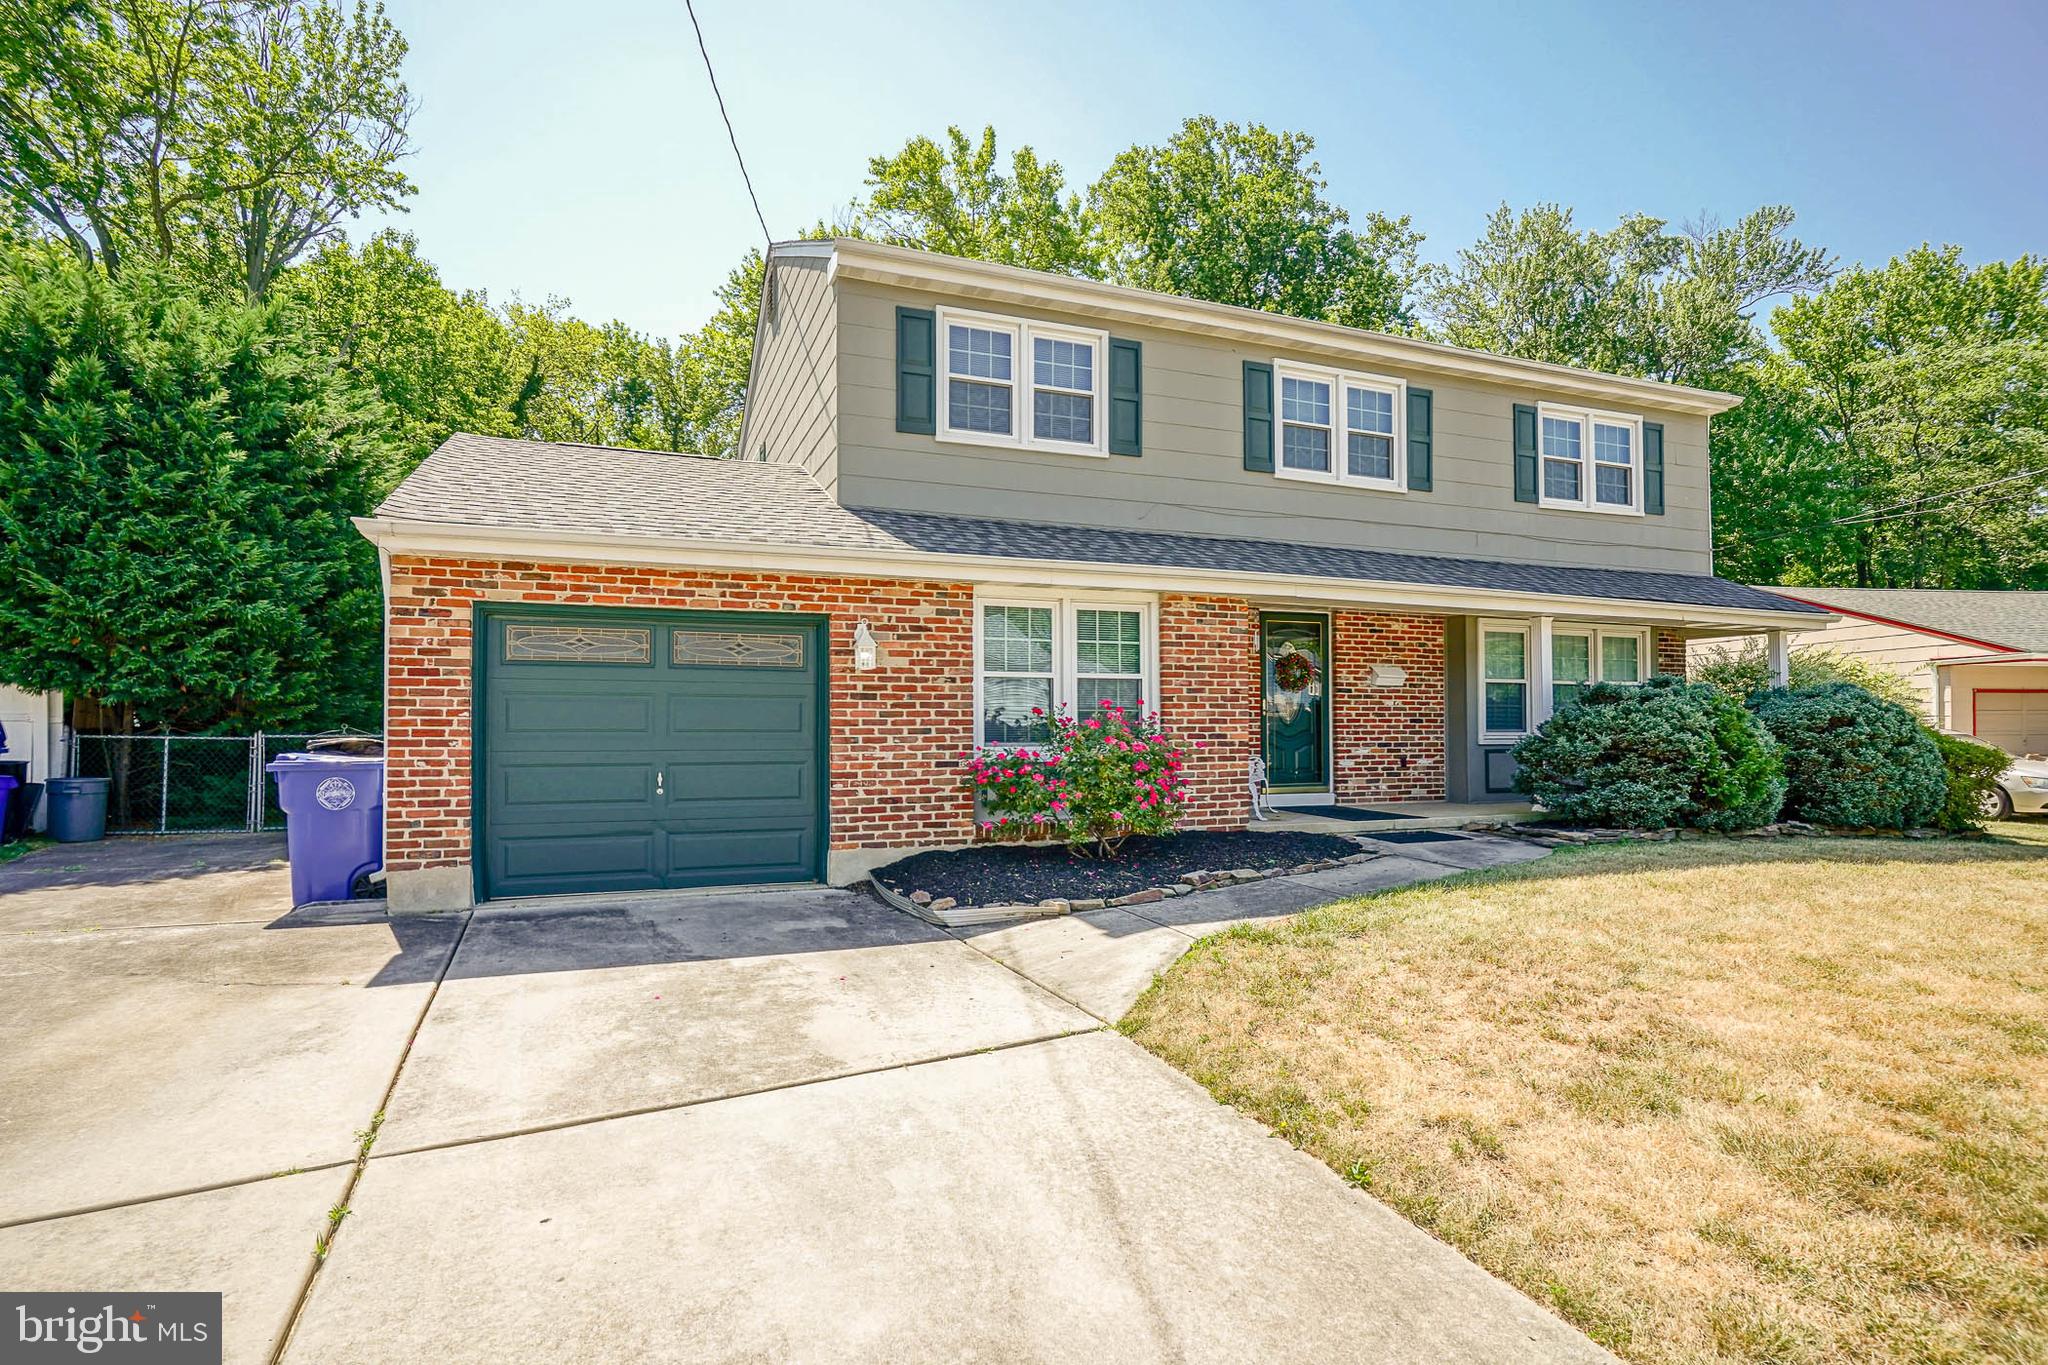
{"x":1141,"y":767}
{"x":1092,"y":724}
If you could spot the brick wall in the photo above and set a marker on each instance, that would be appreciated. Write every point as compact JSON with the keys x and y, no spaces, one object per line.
{"x":897,"y":732}
{"x":1388,"y":741}
{"x":1209,"y":691}
{"x":1669,"y":651}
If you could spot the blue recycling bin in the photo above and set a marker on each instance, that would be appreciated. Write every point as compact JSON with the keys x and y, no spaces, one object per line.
{"x":334,"y":821}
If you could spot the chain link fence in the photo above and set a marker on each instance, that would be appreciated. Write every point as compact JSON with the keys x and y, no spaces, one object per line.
{"x":186,"y":784}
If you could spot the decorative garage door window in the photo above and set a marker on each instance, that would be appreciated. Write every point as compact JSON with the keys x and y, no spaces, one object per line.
{"x":529,"y":642}
{"x":737,"y":649}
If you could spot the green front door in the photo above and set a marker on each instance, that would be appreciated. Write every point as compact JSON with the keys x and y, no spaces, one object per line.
{"x":1296,"y":701}
{"x":624,"y":751}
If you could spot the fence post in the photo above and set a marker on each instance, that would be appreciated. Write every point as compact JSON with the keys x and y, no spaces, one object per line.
{"x":163,"y":806}
{"x":257,"y":782}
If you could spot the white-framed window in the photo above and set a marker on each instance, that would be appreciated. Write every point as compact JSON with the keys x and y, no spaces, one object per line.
{"x":1335,"y":426}
{"x":1035,"y":655}
{"x":1033,"y":385}
{"x":1589,"y":461}
{"x":1583,"y":655}
{"x":1503,"y":678}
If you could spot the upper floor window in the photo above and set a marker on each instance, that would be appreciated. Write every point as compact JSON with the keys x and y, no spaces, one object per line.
{"x":1591,"y":461}
{"x":1340,"y":427}
{"x":1028,"y":384}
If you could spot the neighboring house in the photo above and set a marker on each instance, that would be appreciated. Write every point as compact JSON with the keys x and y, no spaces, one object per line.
{"x":1978,"y":660}
{"x":34,"y":722}
{"x":970,"y":493}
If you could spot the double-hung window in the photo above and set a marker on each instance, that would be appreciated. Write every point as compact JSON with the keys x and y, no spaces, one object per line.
{"x":1339,"y":427}
{"x":1036,"y":656}
{"x":1590,"y":461}
{"x":1017,"y":383}
{"x":1583,"y":655}
{"x":1504,"y":679}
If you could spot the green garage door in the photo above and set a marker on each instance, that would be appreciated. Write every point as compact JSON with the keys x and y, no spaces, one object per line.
{"x":627,"y":752}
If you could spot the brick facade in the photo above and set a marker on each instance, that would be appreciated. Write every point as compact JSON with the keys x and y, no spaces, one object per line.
{"x":1389,"y":741}
{"x":896,"y":733}
{"x":1670,"y":652}
{"x":1209,"y":691}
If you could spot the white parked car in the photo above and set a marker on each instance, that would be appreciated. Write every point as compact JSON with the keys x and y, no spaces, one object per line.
{"x":2022,"y":789}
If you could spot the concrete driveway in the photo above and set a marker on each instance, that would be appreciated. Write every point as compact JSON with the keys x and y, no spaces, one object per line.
{"x":785,"y":1126}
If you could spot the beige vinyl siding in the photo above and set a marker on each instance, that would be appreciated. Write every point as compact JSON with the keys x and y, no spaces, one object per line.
{"x":1192,"y":479}
{"x":793,"y":400}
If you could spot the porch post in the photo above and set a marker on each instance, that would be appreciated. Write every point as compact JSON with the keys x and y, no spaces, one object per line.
{"x":1541,"y":704}
{"x":1781,"y":658}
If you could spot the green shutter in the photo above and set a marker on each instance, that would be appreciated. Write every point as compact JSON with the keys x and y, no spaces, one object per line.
{"x":1420,"y":407}
{"x":1653,"y":468}
{"x":1126,"y":398}
{"x":1258,"y":417}
{"x":917,"y":385}
{"x":1525,"y":453}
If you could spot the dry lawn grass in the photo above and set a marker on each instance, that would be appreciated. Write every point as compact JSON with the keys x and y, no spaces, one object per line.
{"x":1710,"y":1101}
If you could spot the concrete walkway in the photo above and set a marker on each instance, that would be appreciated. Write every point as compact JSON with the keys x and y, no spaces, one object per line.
{"x":785,"y":1126}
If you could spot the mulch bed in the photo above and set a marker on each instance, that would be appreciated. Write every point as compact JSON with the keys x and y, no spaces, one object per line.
{"x":1012,"y":874}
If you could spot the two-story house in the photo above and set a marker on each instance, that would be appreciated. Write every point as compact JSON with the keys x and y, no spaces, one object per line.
{"x":970,"y":494}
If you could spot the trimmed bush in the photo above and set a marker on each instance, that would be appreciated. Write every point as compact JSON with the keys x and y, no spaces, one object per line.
{"x":1973,"y":770}
{"x":1854,"y":759}
{"x":1666,"y":753}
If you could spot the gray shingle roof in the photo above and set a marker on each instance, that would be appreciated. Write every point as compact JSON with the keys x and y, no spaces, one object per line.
{"x":2017,"y":620}
{"x":530,"y":485}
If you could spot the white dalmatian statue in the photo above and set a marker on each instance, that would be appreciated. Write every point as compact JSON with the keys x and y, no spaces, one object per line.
{"x":1255,"y":775}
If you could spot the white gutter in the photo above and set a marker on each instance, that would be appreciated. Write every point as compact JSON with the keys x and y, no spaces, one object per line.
{"x":396,"y":537}
{"x":955,"y":276}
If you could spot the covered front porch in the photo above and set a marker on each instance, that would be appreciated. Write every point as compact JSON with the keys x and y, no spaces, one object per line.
{"x":1410,"y":718}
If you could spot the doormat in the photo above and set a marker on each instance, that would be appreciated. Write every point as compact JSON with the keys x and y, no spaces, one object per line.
{"x":1415,"y":836}
{"x":1345,"y":813}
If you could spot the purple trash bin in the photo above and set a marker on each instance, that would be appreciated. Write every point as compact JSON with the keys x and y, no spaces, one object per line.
{"x":334,"y":821}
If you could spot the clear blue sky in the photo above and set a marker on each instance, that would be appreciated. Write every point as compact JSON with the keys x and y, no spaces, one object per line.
{"x":573,"y":149}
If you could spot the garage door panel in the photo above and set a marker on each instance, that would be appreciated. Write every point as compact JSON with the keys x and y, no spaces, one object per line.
{"x":555,"y":714}
{"x":541,"y":789}
{"x":754,"y":853}
{"x":572,"y":750}
{"x":2015,"y":721}
{"x":764,"y":778}
{"x":540,"y":864}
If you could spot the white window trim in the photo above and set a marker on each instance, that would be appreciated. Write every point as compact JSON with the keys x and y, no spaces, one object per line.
{"x":1588,"y":501}
{"x":1023,"y":376}
{"x":1540,"y":673}
{"x":1596,"y":638}
{"x":1064,"y":653}
{"x":1340,"y":412}
{"x":1528,"y":678}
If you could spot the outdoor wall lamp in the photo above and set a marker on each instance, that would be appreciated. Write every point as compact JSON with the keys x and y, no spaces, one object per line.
{"x":863,"y":648}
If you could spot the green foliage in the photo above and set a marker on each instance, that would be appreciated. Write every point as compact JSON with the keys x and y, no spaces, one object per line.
{"x":1741,"y":671}
{"x":1639,"y":300}
{"x":221,"y":138}
{"x":1094,"y":783}
{"x":1972,"y":769}
{"x":955,"y":200}
{"x":174,"y":508}
{"x":1239,"y":215}
{"x":441,"y":361}
{"x":1854,"y":759}
{"x":1900,"y":432}
{"x":1666,"y":753}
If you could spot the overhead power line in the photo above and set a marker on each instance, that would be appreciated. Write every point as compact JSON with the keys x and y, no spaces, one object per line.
{"x":1898,"y":511}
{"x":730,"y":136}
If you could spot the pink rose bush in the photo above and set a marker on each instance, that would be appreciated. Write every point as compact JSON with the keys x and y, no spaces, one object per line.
{"x":1093,"y":783}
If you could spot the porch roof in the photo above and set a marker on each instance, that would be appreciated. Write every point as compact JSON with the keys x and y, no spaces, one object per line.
{"x":526,"y":499}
